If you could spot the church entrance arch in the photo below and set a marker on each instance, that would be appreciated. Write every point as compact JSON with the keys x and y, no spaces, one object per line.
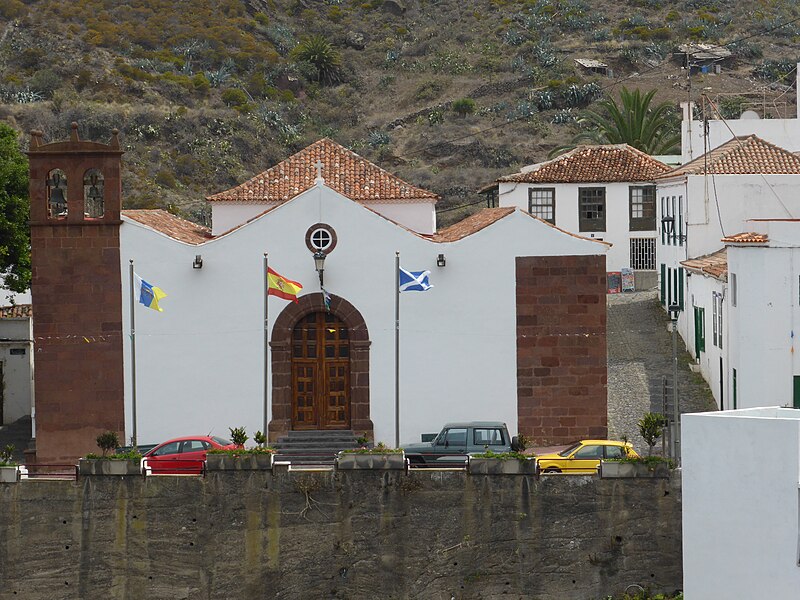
{"x":320,"y":368}
{"x":320,"y":373}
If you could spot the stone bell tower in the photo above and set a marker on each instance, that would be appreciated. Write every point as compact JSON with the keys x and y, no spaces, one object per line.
{"x":76,"y":290}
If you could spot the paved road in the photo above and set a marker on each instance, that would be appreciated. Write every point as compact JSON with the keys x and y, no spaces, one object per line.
{"x":639,"y":355}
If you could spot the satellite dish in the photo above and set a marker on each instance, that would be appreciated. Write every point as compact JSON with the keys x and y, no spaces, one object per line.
{"x":750,"y":115}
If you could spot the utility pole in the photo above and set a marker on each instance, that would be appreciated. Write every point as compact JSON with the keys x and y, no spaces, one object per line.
{"x":675,"y":437}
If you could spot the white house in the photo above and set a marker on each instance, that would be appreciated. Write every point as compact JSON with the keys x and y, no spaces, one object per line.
{"x":698,"y":137}
{"x":16,"y":363}
{"x":601,"y":192}
{"x":741,"y":524}
{"x":702,"y":201}
{"x":464,"y":350}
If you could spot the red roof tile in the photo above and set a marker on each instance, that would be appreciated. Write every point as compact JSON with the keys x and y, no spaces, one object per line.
{"x":471,"y":224}
{"x":747,"y":238}
{"x":18,"y":311}
{"x":742,"y":155}
{"x":714,"y":264}
{"x":343,"y":170}
{"x":594,"y":164}
{"x":170,"y":225}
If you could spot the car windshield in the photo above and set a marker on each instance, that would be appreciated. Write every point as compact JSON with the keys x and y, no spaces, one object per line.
{"x":221,"y":441}
{"x":569,"y":450}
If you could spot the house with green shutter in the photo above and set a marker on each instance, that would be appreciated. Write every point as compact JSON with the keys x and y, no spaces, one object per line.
{"x":704,"y":208}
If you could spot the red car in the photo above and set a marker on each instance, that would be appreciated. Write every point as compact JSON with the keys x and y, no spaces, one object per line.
{"x":184,"y":455}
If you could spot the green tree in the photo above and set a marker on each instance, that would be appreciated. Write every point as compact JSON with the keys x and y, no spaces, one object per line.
{"x":650,"y":427}
{"x":321,"y":56}
{"x":463,"y":107}
{"x":15,"y":239}
{"x":651,"y":129}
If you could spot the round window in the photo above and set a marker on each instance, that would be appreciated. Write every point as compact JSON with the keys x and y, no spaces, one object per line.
{"x":321,"y":238}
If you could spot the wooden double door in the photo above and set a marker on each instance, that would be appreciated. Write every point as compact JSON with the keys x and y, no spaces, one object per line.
{"x":320,"y":373}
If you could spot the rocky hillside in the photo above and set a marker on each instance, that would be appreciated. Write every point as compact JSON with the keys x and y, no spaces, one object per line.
{"x":446,"y":94}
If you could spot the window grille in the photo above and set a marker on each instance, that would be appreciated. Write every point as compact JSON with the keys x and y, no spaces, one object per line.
{"x":643,"y":254}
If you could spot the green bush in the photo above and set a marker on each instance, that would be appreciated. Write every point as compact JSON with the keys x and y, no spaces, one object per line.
{"x":234,"y":97}
{"x":201,"y":83}
{"x":107,"y":441}
{"x":463,"y":107}
{"x":323,"y":58}
{"x":166,"y":179}
{"x":238,"y":436}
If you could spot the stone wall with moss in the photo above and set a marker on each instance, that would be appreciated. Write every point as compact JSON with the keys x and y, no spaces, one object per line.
{"x":326,"y":534}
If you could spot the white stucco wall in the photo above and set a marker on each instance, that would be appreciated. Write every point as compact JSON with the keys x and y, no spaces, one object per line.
{"x":417,"y":216}
{"x":200,"y":362}
{"x":740,"y":473}
{"x":781,"y":132}
{"x":17,"y":368}
{"x":566,"y":198}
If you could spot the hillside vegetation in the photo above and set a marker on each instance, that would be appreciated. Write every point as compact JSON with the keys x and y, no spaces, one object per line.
{"x":448,"y":95}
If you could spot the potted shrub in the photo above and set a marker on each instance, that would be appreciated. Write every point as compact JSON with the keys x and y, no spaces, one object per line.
{"x":501,"y":463}
{"x":9,"y":470}
{"x":380,"y":457}
{"x":241,"y":458}
{"x":109,"y":462}
{"x":651,"y":426}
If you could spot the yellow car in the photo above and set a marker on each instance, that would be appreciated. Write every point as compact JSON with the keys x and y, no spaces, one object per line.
{"x":584,"y":457}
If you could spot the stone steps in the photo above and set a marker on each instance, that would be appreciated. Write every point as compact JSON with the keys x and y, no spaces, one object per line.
{"x":313,"y":447}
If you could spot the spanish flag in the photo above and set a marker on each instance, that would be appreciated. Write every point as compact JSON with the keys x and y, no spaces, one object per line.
{"x":278,"y":285}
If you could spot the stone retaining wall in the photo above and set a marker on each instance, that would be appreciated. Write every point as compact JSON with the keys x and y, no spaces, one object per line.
{"x":323,"y":534}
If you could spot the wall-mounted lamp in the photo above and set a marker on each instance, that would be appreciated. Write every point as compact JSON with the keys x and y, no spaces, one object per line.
{"x":668,"y":224}
{"x":440,"y":261}
{"x":319,"y":264}
{"x":198,"y":262}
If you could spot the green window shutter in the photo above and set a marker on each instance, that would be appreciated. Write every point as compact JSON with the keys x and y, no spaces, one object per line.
{"x":796,"y":398}
{"x":679,"y":272}
{"x":663,"y":283}
{"x":734,"y":389}
{"x":701,"y":314}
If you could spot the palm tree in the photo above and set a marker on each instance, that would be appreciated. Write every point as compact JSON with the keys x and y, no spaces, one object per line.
{"x":653,"y":130}
{"x":324,"y":58}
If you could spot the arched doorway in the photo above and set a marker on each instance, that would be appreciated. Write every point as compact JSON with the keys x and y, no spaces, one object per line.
{"x":282,"y":349}
{"x":320,"y":373}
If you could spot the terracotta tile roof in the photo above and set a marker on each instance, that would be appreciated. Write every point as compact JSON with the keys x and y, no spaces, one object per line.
{"x":714,"y":264}
{"x":594,"y":164}
{"x":343,"y":170}
{"x":742,"y":155}
{"x":18,"y":311}
{"x":170,"y":225}
{"x":472,"y":224}
{"x":747,"y":238}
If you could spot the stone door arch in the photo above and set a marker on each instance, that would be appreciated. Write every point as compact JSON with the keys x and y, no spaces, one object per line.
{"x":281,"y":362}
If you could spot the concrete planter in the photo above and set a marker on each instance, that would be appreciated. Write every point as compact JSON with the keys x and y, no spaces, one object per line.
{"x":353,"y":460}
{"x":622,"y":470}
{"x":496,"y":466}
{"x":107,"y":466}
{"x":9,"y":474}
{"x":245,"y":462}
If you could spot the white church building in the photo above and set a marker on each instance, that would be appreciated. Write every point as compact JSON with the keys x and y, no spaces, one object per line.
{"x":513,"y":328}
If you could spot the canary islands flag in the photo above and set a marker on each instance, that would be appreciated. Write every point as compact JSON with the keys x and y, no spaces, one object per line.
{"x":148,"y":294}
{"x":414,"y":281}
{"x":280,"y":286}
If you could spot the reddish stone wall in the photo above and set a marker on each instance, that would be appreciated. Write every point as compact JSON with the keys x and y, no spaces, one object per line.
{"x":77,"y":305}
{"x":562,"y":372}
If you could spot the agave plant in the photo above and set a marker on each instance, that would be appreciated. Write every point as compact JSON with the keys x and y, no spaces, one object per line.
{"x":321,"y":55}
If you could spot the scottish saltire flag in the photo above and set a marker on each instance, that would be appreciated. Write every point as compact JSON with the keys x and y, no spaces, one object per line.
{"x":414,"y":281}
{"x":148,"y":294}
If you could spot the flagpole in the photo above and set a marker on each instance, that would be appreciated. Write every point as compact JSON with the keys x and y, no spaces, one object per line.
{"x":133,"y":355}
{"x":266,"y":346}
{"x":397,"y":350}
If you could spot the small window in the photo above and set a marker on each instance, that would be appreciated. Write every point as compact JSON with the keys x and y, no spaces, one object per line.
{"x":733,"y":289}
{"x":643,"y":208}
{"x":193,"y":446}
{"x":93,"y":194}
{"x":17,"y":352}
{"x":489,"y":437}
{"x":643,"y":254}
{"x":542,"y":204}
{"x":453,"y":437}
{"x":614,"y":452}
{"x":171,"y":448}
{"x":589,"y":452}
{"x":592,"y":209}
{"x":57,"y":194}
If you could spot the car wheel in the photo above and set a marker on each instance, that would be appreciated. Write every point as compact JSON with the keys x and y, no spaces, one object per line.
{"x":552,"y":470}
